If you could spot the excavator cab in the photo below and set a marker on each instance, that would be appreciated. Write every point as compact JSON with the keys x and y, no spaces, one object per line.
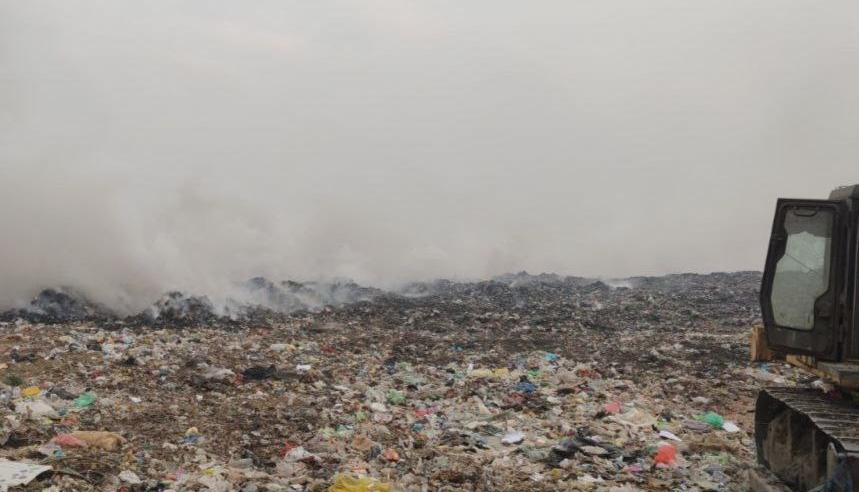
{"x":808,"y":438}
{"x":804,"y":277}
{"x":808,"y":295}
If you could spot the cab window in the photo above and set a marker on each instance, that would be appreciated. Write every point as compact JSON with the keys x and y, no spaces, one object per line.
{"x":802,"y":272}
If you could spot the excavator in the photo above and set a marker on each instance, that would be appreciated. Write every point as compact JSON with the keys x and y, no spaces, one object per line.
{"x":808,"y":436}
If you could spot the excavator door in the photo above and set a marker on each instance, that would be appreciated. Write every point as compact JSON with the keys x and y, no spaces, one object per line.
{"x":801,"y":279}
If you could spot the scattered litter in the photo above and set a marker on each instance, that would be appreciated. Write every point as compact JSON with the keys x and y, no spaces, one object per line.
{"x":36,"y":409}
{"x":713,"y":419}
{"x":348,"y":483}
{"x":526,"y":387}
{"x":216,"y":373}
{"x":669,"y":435}
{"x":395,"y":397}
{"x":15,"y":473}
{"x":666,"y":455}
{"x":69,"y":441}
{"x":435,"y":390}
{"x":513,"y":438}
{"x":259,"y":373}
{"x":192,"y":436}
{"x":130,"y":477}
{"x":108,"y":441}
{"x":730,"y":427}
{"x":594,"y":450}
{"x":696,"y":426}
{"x":390,"y":455}
{"x":612,"y":408}
{"x":30,"y":391}
{"x":85,"y":400}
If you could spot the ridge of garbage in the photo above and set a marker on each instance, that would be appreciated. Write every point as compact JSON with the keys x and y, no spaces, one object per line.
{"x":260,"y":300}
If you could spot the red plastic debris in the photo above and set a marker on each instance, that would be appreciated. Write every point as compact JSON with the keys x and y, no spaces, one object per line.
{"x":588,"y":373}
{"x":666,"y":455}
{"x":287,"y":447}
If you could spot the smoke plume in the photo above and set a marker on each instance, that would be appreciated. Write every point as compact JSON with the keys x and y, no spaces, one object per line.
{"x":155,"y":146}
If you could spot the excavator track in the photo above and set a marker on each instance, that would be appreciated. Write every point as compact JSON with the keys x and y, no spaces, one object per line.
{"x":809,"y":441}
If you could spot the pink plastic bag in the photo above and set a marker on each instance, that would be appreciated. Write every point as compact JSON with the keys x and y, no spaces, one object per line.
{"x":69,"y":441}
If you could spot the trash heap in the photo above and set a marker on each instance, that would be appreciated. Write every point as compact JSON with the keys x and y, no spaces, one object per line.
{"x":520,"y":383}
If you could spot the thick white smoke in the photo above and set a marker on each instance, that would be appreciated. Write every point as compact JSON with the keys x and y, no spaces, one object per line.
{"x":147,"y":146}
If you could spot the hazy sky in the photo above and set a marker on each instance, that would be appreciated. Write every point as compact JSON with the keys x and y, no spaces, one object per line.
{"x":150,"y":145}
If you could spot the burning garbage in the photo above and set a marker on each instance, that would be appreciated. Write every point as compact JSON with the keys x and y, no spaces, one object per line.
{"x":521,"y":382}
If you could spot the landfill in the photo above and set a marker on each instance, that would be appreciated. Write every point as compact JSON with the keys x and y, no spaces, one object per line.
{"x":522,"y":382}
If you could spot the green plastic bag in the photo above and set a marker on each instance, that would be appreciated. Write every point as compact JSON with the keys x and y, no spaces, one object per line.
{"x":85,"y":400}
{"x":714,"y":419}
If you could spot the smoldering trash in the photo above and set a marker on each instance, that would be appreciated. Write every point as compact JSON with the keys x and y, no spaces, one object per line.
{"x":518,"y":383}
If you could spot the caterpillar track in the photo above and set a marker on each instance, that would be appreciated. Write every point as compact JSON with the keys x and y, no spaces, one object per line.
{"x":810,"y":442}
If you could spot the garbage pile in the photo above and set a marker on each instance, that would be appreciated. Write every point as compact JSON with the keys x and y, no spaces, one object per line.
{"x":518,"y":383}
{"x":254,"y":301}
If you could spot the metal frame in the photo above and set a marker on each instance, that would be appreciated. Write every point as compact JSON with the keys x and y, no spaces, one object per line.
{"x":825,"y":338}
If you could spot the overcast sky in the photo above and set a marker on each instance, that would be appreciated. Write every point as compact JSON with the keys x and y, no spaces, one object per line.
{"x":154,"y":145}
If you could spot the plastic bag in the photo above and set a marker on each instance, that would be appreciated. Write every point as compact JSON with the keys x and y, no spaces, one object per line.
{"x":31,"y":392}
{"x":666,"y":455}
{"x":85,"y":400}
{"x":713,"y":419}
{"x":348,"y":483}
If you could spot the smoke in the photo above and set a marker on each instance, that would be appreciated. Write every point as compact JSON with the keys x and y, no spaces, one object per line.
{"x":155,"y":146}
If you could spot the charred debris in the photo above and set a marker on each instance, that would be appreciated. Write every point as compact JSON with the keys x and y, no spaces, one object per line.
{"x":645,"y":302}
